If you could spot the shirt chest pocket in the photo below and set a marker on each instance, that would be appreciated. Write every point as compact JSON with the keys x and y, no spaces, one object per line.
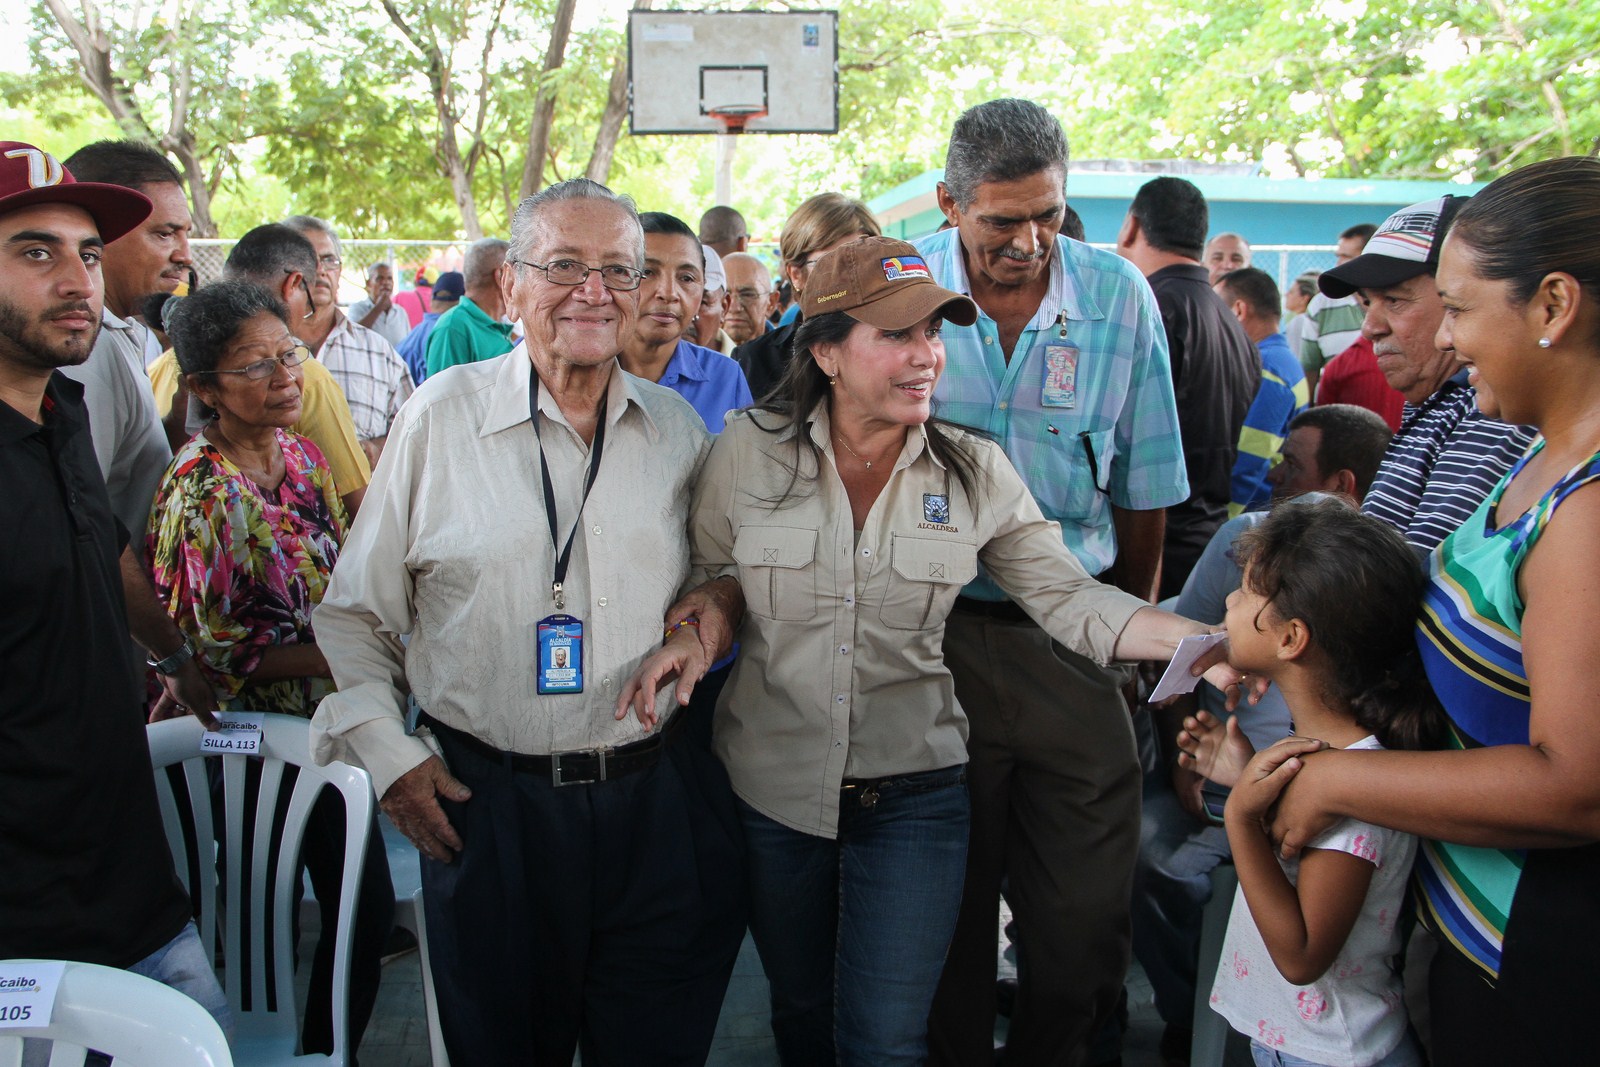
{"x":1077,"y":479}
{"x":925,"y":574}
{"x":778,"y":571}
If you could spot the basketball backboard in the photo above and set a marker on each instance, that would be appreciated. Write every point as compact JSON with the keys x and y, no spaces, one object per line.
{"x":733,"y":71}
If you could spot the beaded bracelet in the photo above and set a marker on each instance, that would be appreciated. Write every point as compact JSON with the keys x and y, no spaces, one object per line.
{"x":680,"y":624}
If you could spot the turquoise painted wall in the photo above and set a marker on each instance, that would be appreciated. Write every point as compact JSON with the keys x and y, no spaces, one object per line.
{"x":1264,"y":210}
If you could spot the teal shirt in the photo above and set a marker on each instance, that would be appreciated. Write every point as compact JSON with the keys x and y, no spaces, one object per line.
{"x":464,"y":334}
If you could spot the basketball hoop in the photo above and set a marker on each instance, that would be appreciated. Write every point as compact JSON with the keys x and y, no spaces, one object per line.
{"x":733,"y":117}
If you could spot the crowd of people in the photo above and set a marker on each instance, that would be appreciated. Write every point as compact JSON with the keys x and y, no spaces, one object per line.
{"x":664,"y":600}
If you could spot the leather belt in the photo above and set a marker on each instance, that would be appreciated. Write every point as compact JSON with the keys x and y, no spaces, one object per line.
{"x":580,"y":767}
{"x":1004,"y":610}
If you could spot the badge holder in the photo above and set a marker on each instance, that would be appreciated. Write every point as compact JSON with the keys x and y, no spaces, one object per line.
{"x":559,"y":637}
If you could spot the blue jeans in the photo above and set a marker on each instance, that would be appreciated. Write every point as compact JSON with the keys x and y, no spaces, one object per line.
{"x":182,"y":964}
{"x":853,"y":932}
{"x":1405,"y":1054}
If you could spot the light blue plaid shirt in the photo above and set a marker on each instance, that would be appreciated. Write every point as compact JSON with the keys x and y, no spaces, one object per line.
{"x":1089,"y":375}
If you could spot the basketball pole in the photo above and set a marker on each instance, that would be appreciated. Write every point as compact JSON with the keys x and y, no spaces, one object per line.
{"x":722,"y":191}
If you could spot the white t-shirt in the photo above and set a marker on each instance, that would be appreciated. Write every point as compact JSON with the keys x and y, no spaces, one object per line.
{"x":1354,"y":1014}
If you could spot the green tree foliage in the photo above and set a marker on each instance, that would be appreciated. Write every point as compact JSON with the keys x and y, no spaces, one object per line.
{"x":409,"y":118}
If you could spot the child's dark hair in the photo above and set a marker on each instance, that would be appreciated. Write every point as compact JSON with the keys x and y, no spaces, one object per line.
{"x":1354,"y":582}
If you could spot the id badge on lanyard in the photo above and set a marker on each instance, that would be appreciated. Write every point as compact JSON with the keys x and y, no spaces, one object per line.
{"x":559,"y":638}
{"x":560,"y":654}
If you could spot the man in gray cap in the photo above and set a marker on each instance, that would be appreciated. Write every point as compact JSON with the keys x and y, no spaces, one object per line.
{"x":1448,"y":453}
{"x":706,"y":327}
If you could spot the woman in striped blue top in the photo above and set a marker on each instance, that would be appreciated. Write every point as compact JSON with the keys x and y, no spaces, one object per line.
{"x":1508,"y":878}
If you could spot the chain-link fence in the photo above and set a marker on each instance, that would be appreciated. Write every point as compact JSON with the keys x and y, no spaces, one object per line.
{"x":1284,"y":262}
{"x":407,"y":257}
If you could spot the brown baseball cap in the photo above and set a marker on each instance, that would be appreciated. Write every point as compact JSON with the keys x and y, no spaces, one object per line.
{"x":30,"y":176}
{"x":884,"y":283}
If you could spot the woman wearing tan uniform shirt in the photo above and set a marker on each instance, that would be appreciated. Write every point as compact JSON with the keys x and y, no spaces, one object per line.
{"x":851,"y":521}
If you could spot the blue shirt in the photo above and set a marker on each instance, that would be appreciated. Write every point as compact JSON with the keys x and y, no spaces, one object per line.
{"x":413,"y":348}
{"x":1084,"y":409}
{"x":1281,"y":396}
{"x":712,"y":383}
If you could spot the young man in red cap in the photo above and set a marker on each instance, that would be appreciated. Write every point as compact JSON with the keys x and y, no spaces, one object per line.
{"x":88,"y":875}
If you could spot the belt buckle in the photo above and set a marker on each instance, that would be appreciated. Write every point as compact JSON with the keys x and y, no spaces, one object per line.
{"x":558,"y":780}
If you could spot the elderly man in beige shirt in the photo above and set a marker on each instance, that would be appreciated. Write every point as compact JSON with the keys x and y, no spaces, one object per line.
{"x":534,"y":502}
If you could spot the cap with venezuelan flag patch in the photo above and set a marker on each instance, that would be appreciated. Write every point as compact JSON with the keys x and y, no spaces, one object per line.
{"x":883,"y":283}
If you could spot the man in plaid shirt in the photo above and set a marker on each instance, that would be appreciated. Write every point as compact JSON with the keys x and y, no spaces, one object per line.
{"x":1067,"y":369}
{"x":375,"y":380}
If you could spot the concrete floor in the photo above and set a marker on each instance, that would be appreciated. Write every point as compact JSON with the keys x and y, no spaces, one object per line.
{"x":398,"y":1034}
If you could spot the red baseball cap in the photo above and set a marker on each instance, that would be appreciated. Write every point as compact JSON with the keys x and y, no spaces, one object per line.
{"x":30,"y":176}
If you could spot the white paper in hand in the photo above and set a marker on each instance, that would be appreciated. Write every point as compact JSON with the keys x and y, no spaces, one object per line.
{"x":1177,"y":678}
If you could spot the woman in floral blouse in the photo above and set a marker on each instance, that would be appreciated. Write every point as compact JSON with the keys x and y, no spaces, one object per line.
{"x":243,"y":537}
{"x":247,"y":524}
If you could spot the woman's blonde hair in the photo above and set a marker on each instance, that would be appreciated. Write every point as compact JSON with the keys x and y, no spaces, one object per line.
{"x":824,"y":219}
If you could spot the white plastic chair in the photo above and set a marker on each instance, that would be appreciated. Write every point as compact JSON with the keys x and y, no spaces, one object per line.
{"x":430,"y":1000}
{"x":268,"y":1026}
{"x":135,"y":1021}
{"x":1215,"y":1043}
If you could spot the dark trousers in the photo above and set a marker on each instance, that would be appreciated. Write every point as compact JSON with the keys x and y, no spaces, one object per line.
{"x":1054,"y":780}
{"x":602,"y":916}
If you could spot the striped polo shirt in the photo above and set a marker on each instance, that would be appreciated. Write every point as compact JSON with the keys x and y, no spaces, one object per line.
{"x":1442,"y":463}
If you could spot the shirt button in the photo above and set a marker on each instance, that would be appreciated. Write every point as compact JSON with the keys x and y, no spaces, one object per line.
{"x":866,"y":552}
{"x":1003,"y":405}
{"x":602,"y":601}
{"x":849,"y":600}
{"x":988,"y":340}
{"x":597,"y":529}
{"x":844,"y":650}
{"x":605,"y":683}
{"x":839,"y":699}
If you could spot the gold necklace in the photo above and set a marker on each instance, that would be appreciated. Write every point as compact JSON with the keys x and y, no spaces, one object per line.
{"x":865,"y":461}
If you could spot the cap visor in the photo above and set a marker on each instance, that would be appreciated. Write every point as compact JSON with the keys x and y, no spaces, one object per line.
{"x":1368,"y":272}
{"x":908,"y":305}
{"x":115,"y":210}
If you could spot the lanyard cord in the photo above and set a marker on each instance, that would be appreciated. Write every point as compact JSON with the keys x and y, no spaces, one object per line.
{"x":564,"y":553}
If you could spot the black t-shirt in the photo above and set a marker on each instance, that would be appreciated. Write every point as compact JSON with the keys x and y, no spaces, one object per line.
{"x":1215,"y":374}
{"x":85,"y":872}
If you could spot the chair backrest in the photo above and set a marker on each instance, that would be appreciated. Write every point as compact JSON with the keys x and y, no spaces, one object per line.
{"x":136,"y":1021}
{"x":259,"y":836}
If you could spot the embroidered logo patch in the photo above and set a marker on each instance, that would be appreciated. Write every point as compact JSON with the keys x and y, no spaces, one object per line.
{"x":897,"y":267}
{"x":43,"y":169}
{"x":935,"y":507}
